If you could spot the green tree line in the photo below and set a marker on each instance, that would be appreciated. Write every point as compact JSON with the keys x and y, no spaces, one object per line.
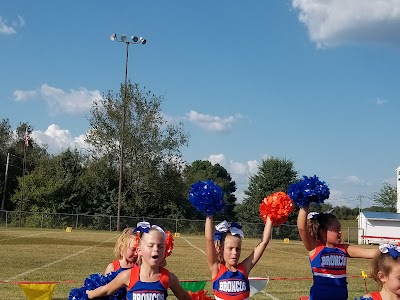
{"x":156,"y":180}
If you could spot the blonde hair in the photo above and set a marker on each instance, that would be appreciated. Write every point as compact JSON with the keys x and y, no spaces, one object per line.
{"x":123,"y":241}
{"x":384,"y":263}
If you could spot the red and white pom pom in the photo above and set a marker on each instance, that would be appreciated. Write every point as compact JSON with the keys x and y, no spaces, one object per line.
{"x":169,"y":243}
{"x":277,"y":207}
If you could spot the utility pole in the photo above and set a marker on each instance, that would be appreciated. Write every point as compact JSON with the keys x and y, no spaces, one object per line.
{"x":5,"y":182}
{"x":3,"y":201}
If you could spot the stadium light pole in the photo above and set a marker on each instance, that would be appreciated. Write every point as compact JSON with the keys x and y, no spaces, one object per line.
{"x":133,"y":40}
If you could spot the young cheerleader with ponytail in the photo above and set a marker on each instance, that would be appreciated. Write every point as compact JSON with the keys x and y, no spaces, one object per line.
{"x":321,"y":234}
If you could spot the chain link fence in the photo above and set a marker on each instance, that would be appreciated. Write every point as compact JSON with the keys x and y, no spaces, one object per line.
{"x":108,"y":222}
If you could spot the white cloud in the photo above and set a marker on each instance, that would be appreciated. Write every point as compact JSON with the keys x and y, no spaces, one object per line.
{"x":24,"y":95}
{"x":351,"y":179}
{"x":212,"y":123}
{"x":58,"y":139}
{"x":238,"y":168}
{"x":332,"y":23}
{"x":380,"y":101}
{"x":60,"y":101}
{"x":253,"y":167}
{"x":217,"y":159}
{"x":239,"y":172}
{"x":5,"y":28}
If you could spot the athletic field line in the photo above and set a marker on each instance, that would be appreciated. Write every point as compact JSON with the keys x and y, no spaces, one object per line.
{"x":23,"y":236}
{"x":57,"y":261}
{"x":268,"y":295}
{"x":194,"y":246}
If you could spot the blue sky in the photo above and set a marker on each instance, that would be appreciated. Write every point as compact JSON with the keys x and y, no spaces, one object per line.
{"x":313,"y":81}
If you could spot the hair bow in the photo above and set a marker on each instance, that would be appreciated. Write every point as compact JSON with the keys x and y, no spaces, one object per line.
{"x":393,"y":250}
{"x":221,"y":228}
{"x":312,"y":215}
{"x":145,"y":227}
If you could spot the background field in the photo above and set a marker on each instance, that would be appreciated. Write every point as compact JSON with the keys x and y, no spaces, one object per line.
{"x":68,"y":258}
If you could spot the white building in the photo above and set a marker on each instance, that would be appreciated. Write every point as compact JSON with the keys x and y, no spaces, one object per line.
{"x":398,"y":189}
{"x":381,"y":227}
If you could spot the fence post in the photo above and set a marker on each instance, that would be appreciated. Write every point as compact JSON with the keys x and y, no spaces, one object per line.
{"x":6,"y":218}
{"x":41,"y":223}
{"x":110,"y":223}
{"x":76,"y":223}
{"x":176,"y":225}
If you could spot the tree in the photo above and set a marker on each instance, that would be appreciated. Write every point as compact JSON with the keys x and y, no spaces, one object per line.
{"x":386,"y":197}
{"x":201,"y":170}
{"x":99,"y":184}
{"x":24,"y":155}
{"x":54,"y":184}
{"x":273,"y":175}
{"x":148,"y":141}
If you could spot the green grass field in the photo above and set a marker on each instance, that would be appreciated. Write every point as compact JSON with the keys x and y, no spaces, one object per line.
{"x":68,"y":258}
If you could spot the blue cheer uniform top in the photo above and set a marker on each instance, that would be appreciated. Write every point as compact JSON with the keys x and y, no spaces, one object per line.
{"x":328,"y":266}
{"x":138,"y":290}
{"x":231,"y":285}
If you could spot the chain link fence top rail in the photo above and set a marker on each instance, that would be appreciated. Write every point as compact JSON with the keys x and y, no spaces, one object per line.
{"x":109,"y":222}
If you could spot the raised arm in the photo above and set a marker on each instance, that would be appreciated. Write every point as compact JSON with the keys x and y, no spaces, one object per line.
{"x":109,"y":289}
{"x":309,"y":242}
{"x":258,"y":251}
{"x":177,"y":289}
{"x":212,"y":259}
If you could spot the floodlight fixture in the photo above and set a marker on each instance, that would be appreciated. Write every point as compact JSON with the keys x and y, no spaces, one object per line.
{"x":123,"y":38}
{"x":142,"y":40}
{"x":135,"y":39}
{"x":113,"y":37}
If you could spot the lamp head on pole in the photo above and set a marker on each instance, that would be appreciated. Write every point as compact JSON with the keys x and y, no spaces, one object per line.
{"x":113,"y":37}
{"x":142,"y":40}
{"x":123,"y":38}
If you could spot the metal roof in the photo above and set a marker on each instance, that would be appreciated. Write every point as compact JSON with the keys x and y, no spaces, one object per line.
{"x":374,"y":215}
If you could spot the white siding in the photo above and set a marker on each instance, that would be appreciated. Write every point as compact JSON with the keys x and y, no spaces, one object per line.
{"x":398,"y":188}
{"x":382,"y":231}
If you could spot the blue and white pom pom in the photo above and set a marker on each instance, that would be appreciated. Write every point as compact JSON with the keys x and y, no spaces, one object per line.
{"x":94,"y":281}
{"x":207,"y":197}
{"x":307,"y":190}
